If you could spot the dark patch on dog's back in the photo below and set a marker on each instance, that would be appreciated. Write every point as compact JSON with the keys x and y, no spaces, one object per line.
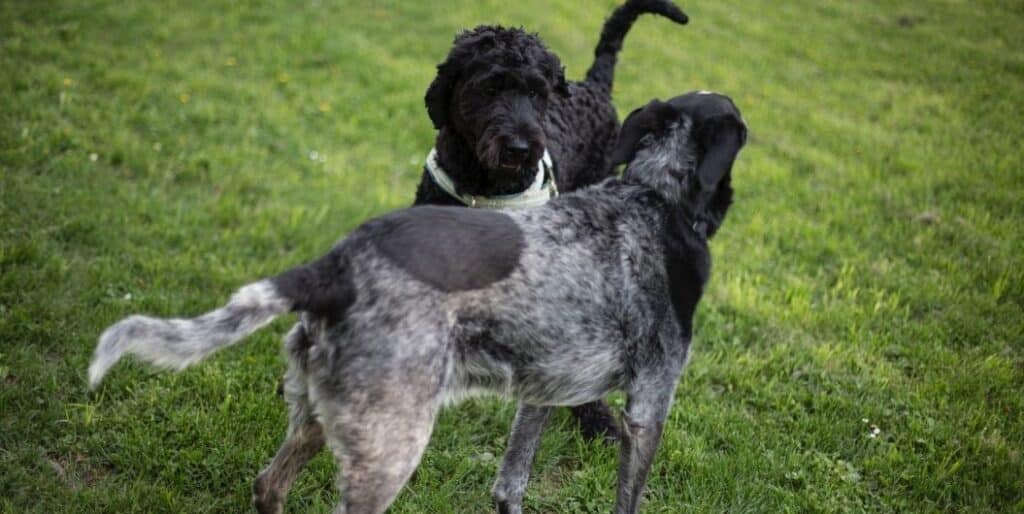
{"x":449,"y":248}
{"x":322,"y":287}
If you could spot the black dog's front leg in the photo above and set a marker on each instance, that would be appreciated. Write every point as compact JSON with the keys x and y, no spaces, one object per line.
{"x":597,"y":421}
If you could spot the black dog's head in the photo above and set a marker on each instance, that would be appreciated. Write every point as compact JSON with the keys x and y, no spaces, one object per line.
{"x":684,"y":148}
{"x":493,"y":91}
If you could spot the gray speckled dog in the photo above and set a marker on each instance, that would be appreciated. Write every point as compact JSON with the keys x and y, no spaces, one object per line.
{"x":556,"y":305}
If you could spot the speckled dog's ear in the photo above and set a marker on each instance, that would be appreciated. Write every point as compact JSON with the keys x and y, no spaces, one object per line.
{"x":720,"y":139}
{"x":638,"y":124}
{"x":718,"y":130}
{"x":626,"y":142}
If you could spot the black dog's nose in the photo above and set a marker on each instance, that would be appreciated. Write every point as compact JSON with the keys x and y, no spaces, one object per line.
{"x":516,"y":150}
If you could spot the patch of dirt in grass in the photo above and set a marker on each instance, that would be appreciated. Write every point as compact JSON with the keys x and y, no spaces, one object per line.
{"x":75,"y":470}
{"x":929,"y":217}
{"x":908,"y":22}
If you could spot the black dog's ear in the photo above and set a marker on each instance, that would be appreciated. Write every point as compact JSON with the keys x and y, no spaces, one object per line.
{"x":561,"y":86}
{"x":555,"y":73}
{"x":720,"y":140}
{"x":439,"y":94}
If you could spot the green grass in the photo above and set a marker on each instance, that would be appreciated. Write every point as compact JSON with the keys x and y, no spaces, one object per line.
{"x":154,"y":157}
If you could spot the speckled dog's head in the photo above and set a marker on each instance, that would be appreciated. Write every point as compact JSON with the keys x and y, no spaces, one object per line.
{"x":684,"y":148}
{"x":493,"y":91}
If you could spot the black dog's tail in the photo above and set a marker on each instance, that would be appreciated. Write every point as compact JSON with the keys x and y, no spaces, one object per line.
{"x":602,"y":72}
{"x":178,"y":343}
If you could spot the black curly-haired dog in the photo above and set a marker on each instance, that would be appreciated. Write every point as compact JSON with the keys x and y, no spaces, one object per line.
{"x":500,"y":102}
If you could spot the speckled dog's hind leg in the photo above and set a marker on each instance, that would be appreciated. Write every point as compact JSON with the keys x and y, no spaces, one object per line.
{"x":305,"y":435}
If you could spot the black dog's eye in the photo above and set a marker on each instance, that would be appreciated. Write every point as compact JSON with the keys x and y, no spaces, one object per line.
{"x":491,"y":91}
{"x":534,"y":93}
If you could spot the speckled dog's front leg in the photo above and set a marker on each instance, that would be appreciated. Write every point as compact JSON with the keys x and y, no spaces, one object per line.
{"x":643,"y":421}
{"x":515,"y":465}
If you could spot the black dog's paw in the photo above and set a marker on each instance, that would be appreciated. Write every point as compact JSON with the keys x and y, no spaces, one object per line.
{"x":597,"y":422}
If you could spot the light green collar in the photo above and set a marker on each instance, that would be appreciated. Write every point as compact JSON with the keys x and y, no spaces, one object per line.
{"x":539,"y":192}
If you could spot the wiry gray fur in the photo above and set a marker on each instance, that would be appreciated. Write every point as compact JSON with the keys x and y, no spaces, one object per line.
{"x":601,"y":297}
{"x":178,"y":343}
{"x":662,"y":162}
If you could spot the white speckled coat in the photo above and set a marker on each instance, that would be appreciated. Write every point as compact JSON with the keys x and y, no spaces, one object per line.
{"x":557,"y":305}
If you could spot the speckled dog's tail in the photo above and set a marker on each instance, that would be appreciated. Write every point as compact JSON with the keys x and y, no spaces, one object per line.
{"x":602,"y":72}
{"x":320,"y":287}
{"x":178,"y":343}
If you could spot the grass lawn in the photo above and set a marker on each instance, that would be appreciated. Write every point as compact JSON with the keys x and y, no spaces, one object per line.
{"x":860,"y":347}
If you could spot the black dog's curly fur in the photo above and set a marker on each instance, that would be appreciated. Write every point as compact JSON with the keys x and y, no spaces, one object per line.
{"x":501,"y":87}
{"x":500,"y":99}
